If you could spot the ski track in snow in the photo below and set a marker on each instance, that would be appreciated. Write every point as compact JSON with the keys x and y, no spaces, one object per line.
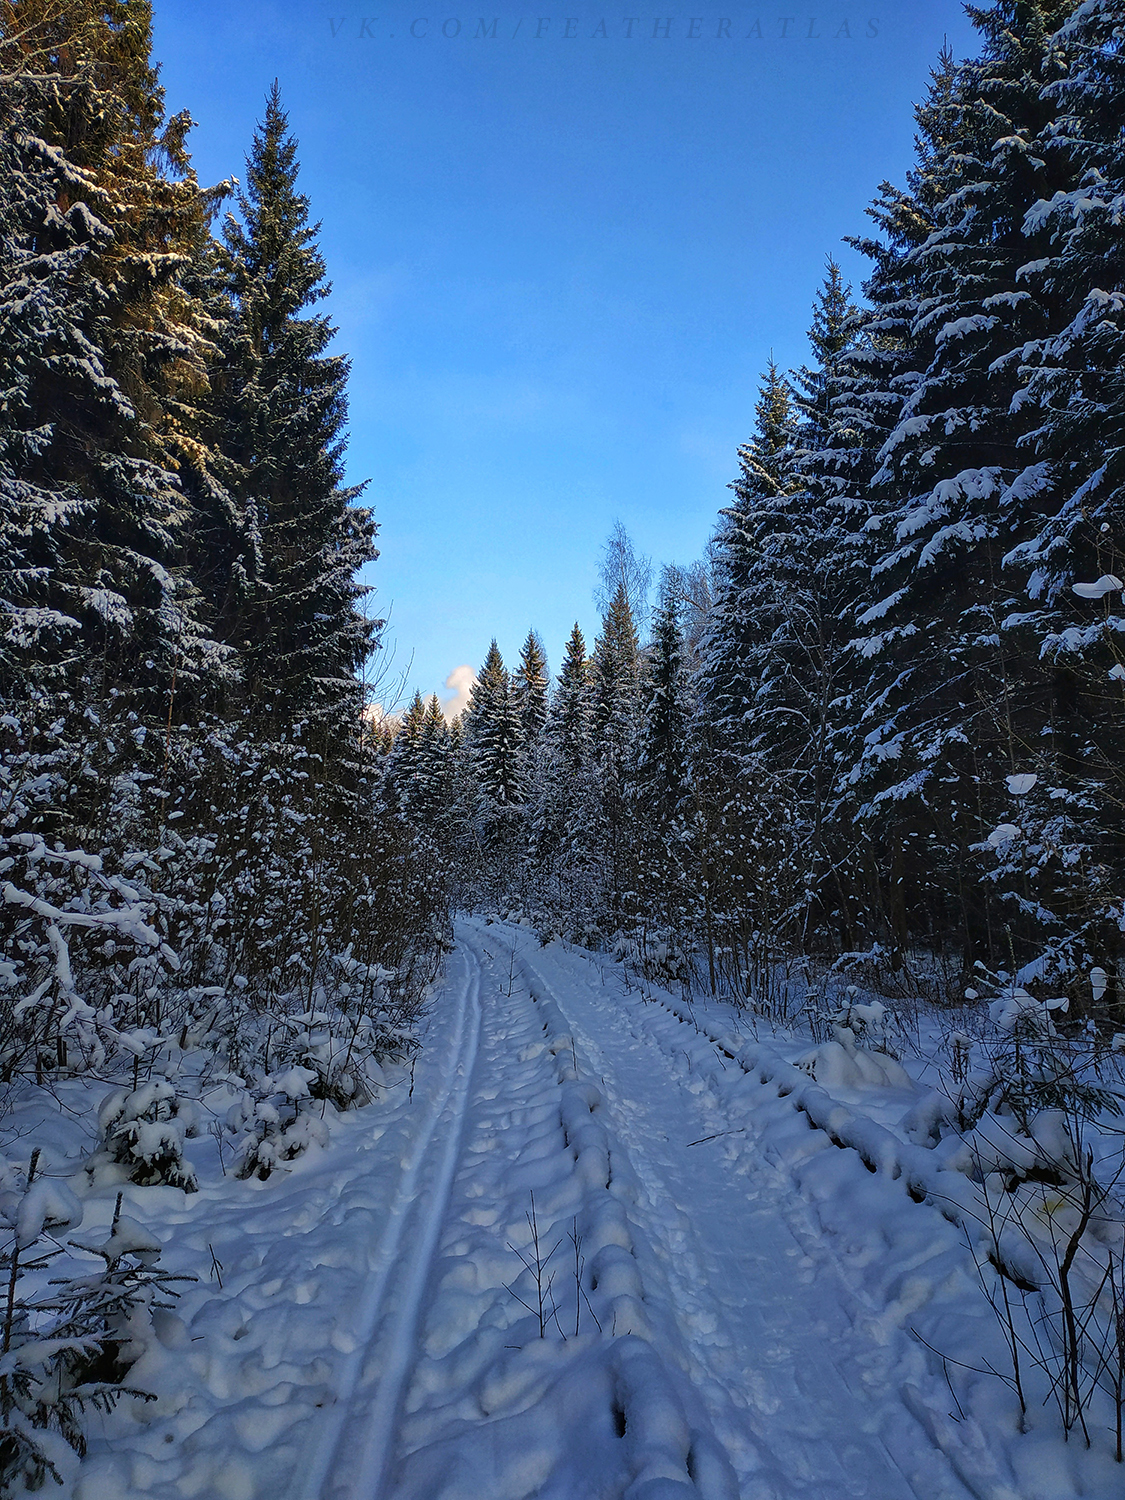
{"x":352,"y":1454}
{"x":495,"y":1410}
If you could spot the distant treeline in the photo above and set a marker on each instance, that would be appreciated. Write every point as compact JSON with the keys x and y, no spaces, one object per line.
{"x":886,"y":716}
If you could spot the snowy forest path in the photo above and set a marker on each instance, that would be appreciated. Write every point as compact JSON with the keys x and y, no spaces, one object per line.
{"x":707,"y":1342}
{"x":353,"y":1453}
{"x":584,"y":1397}
{"x":804,"y":1402}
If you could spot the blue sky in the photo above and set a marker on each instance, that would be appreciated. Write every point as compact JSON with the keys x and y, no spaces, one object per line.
{"x":560,"y":261}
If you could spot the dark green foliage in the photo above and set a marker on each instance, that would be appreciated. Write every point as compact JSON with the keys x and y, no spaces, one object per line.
{"x":660,"y":777}
{"x":103,"y":363}
{"x":568,"y":723}
{"x":298,"y":627}
{"x":529,"y":687}
{"x":494,"y":733}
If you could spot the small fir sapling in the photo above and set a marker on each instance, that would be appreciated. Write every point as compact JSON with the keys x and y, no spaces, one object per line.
{"x":143,"y":1133}
{"x":343,"y":1046}
{"x":275,"y":1123}
{"x":68,"y":1341}
{"x":1031,"y":1067}
{"x":1024,"y":1075}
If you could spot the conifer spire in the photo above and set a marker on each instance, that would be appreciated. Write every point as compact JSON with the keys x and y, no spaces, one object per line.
{"x":493,"y":732}
{"x":301,"y":630}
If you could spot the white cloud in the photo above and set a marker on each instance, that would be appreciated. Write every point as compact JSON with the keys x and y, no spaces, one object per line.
{"x":460,"y":683}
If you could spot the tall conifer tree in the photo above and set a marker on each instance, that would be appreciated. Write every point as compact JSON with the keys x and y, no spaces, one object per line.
{"x":104,"y":355}
{"x":301,"y":630}
{"x":569,"y":717}
{"x":493,"y":733}
{"x":950,"y":704}
{"x":754,"y":539}
{"x":529,"y":688}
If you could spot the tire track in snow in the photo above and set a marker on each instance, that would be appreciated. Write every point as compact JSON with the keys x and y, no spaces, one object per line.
{"x":764,"y":1349}
{"x":353,"y":1455}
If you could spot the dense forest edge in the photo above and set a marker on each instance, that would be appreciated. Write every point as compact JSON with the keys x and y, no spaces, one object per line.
{"x":202,"y":875}
{"x":870,"y":745}
{"x":879,"y":725}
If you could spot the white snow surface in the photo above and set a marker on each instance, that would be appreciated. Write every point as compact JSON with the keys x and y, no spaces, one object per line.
{"x":751,"y":1273}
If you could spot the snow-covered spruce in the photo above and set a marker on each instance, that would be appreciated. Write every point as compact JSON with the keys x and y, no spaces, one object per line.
{"x":69,"y":1341}
{"x":143,"y":1132}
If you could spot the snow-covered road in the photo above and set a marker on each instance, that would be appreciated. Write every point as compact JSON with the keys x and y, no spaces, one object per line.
{"x":353,"y":1450}
{"x":727,"y":1362}
{"x":723,"y":1306}
{"x":498,"y":1402}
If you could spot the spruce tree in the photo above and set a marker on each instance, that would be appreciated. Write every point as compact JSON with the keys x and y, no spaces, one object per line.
{"x":755,"y":538}
{"x":743,"y":690}
{"x":104,"y":358}
{"x":1070,"y":851}
{"x":873,"y":378}
{"x":659,"y":774}
{"x":615,"y":677}
{"x":615,"y":704}
{"x":41,"y":253}
{"x":493,"y":734}
{"x":300,"y":630}
{"x":949,"y":708}
{"x":1076,"y":376}
{"x":436,"y":767}
{"x":568,"y":723}
{"x":825,"y":577}
{"x":561,"y":811}
{"x":403,"y":771}
{"x":529,"y":695}
{"x":529,"y":687}
{"x":657,"y":793}
{"x":830,"y":337}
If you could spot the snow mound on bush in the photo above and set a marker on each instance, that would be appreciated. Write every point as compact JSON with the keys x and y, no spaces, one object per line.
{"x":841,"y":1064}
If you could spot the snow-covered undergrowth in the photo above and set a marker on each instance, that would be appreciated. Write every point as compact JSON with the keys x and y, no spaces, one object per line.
{"x":155,"y":1180}
{"x":189,"y":1024}
{"x":231,"y":1357}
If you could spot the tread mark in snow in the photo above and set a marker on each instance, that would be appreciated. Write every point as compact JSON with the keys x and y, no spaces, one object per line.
{"x":779,"y":1367}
